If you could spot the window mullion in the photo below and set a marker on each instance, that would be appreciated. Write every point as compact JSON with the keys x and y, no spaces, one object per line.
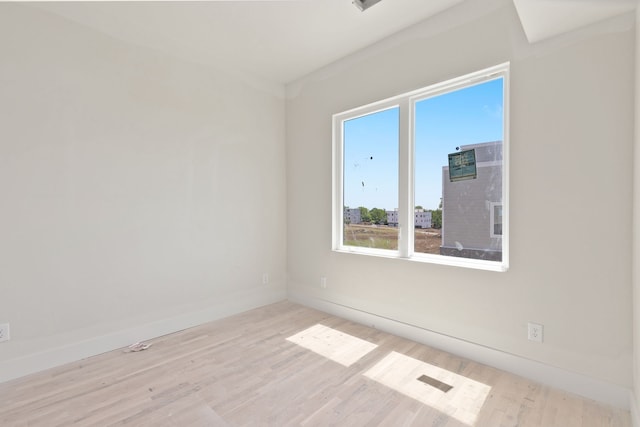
{"x":405,"y":181}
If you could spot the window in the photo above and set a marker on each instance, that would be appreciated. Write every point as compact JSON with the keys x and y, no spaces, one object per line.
{"x":370,"y":170}
{"x":423,"y":175}
{"x":496,"y":219}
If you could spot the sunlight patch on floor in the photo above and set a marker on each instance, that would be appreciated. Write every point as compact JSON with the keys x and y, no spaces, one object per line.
{"x":342,"y":348}
{"x":463,"y":401}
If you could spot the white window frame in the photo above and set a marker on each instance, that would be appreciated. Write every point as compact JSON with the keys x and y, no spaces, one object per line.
{"x":406,"y":216}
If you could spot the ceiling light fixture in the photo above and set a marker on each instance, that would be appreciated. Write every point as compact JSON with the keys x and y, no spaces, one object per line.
{"x":364,"y":4}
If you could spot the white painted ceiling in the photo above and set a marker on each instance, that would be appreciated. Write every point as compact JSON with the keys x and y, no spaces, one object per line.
{"x":276,"y":40}
{"x":282,"y":40}
{"x":542,"y":19}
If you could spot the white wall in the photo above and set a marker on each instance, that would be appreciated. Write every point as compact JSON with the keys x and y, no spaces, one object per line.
{"x":571,"y":174}
{"x":140,"y":194}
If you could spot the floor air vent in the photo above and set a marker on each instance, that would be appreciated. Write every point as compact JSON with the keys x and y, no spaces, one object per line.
{"x":435,"y":383}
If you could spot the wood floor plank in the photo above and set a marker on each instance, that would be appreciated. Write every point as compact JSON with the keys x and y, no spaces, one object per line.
{"x":242,"y":371}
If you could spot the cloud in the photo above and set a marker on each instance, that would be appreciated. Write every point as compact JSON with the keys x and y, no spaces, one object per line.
{"x":495,"y":112}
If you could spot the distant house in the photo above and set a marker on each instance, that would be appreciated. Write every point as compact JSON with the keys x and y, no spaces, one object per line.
{"x":422,"y":218}
{"x":392,"y":218}
{"x":352,"y":216}
{"x":472,"y":208}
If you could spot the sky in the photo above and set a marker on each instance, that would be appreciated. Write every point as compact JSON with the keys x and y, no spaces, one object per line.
{"x":467,"y":116}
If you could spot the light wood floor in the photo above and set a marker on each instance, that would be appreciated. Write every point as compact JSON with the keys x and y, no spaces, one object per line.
{"x":265,"y":367}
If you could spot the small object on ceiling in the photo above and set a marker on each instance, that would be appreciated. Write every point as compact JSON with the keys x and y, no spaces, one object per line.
{"x":364,"y":4}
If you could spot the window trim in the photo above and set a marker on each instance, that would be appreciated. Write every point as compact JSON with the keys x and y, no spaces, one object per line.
{"x":406,"y":103}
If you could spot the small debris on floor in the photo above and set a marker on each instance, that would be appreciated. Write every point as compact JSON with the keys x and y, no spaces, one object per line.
{"x":139,"y":346}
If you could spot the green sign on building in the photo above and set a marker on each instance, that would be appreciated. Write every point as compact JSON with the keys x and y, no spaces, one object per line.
{"x":462,"y":165}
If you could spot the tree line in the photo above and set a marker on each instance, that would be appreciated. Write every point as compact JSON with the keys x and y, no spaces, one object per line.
{"x":379,"y":216}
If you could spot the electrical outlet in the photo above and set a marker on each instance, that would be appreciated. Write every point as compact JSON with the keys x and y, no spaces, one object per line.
{"x":323,"y":282}
{"x":265,"y":278}
{"x":535,"y":332}
{"x":4,"y":332}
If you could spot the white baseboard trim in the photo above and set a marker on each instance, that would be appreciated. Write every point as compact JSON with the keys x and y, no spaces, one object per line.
{"x":582,"y":385}
{"x":50,"y":358}
{"x":634,"y":409}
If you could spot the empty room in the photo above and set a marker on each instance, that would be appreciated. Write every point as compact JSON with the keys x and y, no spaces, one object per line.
{"x":320,"y":212}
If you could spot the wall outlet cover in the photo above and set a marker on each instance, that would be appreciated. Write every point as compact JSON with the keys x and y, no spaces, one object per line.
{"x":535,"y":332}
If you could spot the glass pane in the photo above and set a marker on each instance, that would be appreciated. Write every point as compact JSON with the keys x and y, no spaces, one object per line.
{"x":458,"y":172}
{"x":370,"y":170}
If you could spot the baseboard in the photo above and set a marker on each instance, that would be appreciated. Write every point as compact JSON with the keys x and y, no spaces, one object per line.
{"x":634,"y":409}
{"x":582,"y":385}
{"x":50,"y":358}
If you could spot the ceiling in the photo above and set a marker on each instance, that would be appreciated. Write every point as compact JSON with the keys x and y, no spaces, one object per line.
{"x":282,"y":40}
{"x":542,"y":19}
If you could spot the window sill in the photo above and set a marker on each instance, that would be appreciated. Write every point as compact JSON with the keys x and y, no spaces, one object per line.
{"x":498,"y":266}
